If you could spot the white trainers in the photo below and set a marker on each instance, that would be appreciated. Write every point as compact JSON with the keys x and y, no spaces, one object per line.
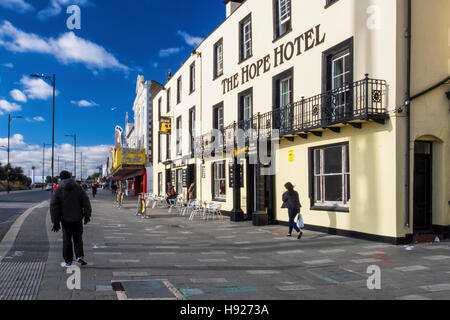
{"x":66,"y":265}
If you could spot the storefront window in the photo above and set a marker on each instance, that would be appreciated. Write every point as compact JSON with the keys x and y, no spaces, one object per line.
{"x":331,"y":176}
{"x":219,"y":187}
{"x":179,"y":186}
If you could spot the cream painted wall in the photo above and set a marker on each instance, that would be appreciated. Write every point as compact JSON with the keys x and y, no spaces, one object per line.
{"x":430,"y":116}
{"x":377,"y":152}
{"x":372,"y":179}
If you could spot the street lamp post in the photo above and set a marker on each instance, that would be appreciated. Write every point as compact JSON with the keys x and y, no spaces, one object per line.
{"x":43,"y":163}
{"x":53,"y":80}
{"x":9,"y":132}
{"x":81,"y":176}
{"x":74,"y":154}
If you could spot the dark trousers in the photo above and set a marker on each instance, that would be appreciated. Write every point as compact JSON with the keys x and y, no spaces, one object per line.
{"x":292,"y":224}
{"x":72,"y":240}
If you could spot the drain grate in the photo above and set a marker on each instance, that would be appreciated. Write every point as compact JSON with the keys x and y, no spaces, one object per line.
{"x":160,"y":289}
{"x":20,"y":280}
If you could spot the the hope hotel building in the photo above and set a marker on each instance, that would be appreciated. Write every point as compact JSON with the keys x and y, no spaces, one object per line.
{"x":351,"y":99}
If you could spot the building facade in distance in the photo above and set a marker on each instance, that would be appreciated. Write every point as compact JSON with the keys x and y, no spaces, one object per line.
{"x":329,"y":95}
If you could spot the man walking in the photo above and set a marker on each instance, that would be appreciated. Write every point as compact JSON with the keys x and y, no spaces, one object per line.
{"x":68,"y":206}
{"x":94,"y":190}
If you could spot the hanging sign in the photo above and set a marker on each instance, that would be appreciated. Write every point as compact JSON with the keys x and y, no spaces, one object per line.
{"x":165,"y":125}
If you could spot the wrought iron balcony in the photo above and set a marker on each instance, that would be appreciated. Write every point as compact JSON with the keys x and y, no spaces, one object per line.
{"x":363,"y":100}
{"x":353,"y":103}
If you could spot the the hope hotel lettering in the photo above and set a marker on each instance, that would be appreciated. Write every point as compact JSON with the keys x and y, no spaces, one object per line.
{"x":285,"y":52}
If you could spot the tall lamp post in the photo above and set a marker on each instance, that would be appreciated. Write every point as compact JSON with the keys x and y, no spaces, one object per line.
{"x":9,"y":133}
{"x":43,"y":163}
{"x":81,"y":175}
{"x":53,"y":81}
{"x":74,"y":154}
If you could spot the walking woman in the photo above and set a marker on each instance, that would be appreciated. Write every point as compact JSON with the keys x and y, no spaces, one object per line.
{"x":292,"y":203}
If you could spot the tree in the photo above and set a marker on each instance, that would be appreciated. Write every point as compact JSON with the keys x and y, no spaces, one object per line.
{"x":48,"y":179}
{"x":2,"y":172}
{"x":94,"y":177}
{"x":15,"y":175}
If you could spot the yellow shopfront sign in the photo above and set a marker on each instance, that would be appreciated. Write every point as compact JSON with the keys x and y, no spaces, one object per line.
{"x":128,"y":157}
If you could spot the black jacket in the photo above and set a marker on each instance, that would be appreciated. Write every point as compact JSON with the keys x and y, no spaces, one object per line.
{"x":291,"y":201}
{"x":69,"y":203}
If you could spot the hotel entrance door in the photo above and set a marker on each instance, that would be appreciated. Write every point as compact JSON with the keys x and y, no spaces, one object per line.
{"x":422,"y":187}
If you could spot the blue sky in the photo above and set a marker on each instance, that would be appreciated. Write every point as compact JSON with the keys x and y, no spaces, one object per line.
{"x":96,"y":67}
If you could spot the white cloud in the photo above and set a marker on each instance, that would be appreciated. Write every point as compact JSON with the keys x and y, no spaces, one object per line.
{"x":84,"y":103}
{"x":16,"y":5}
{"x":18,"y":95}
{"x":39,"y":119}
{"x":37,"y":88}
{"x":67,"y":48}
{"x":190,"y":40}
{"x":170,"y":51}
{"x":8,"y":65}
{"x":27,"y":155}
{"x":8,"y":106}
{"x":56,"y":7}
{"x":16,"y":141}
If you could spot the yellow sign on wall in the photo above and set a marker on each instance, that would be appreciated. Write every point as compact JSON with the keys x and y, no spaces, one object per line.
{"x":291,"y":155}
{"x":165,"y":125}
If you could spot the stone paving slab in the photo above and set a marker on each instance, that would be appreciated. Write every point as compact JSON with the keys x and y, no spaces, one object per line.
{"x":219,"y":259}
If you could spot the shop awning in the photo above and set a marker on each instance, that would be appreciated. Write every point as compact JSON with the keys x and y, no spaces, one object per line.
{"x":127,"y":172}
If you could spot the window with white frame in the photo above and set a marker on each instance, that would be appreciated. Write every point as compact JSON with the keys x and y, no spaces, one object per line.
{"x":246,"y":38}
{"x":168,"y":100}
{"x":331,"y":174}
{"x":285,"y":102}
{"x":218,"y":58}
{"x":282,"y":16}
{"x":192,"y":129}
{"x":218,"y":177}
{"x":245,"y":109}
{"x":179,"y":89}
{"x":179,"y":136}
{"x":340,"y":83}
{"x":192,"y":78}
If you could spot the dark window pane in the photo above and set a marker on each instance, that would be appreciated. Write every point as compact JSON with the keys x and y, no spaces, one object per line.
{"x":333,"y":160}
{"x":333,"y":188}
{"x":347,"y":185}
{"x":317,"y":161}
{"x":317,"y":196}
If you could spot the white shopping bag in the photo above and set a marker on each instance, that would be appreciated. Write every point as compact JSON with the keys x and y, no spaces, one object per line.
{"x":300,"y":223}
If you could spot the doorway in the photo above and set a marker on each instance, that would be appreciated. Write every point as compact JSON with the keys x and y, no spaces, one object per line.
{"x":262,"y":189}
{"x":252,"y":197}
{"x":422,"y":192}
{"x":191,"y":178}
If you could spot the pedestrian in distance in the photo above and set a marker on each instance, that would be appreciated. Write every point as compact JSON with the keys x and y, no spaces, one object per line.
{"x":291,"y":202}
{"x":191,"y":191}
{"x":69,"y":206}
{"x":94,"y":190}
{"x":171,"y":193}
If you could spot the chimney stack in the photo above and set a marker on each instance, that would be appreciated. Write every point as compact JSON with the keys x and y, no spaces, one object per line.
{"x":232,"y":6}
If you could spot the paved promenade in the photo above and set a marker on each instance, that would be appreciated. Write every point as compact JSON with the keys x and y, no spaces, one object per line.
{"x":170,"y":257}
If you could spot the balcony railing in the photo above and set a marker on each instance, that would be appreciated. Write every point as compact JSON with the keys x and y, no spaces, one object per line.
{"x":363,"y":100}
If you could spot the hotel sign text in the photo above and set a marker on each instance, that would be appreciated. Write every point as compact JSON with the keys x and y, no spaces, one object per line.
{"x":285,"y":52}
